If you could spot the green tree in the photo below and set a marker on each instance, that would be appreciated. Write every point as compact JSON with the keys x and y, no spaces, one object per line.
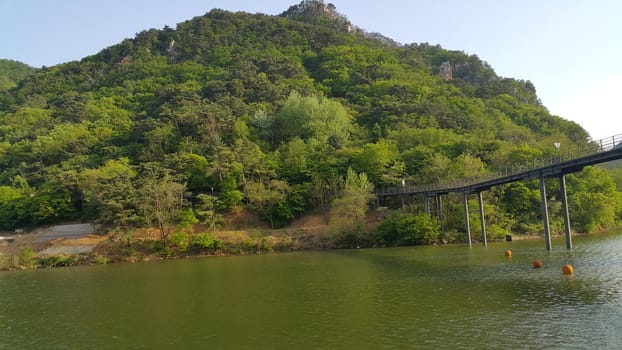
{"x":193,"y":167}
{"x":519,"y":201}
{"x":161,"y":200}
{"x":439,"y":169}
{"x":230,"y":196}
{"x":187,"y":218}
{"x":26,"y":123}
{"x":316,"y":118}
{"x":408,"y":229}
{"x":294,"y":161}
{"x":264,"y":124}
{"x":110,"y":192}
{"x":12,"y":72}
{"x":380,"y":161}
{"x":266,"y":197}
{"x":158,"y":142}
{"x":347,"y":212}
{"x":325,"y":189}
{"x":593,"y":199}
{"x":227,"y":99}
{"x":467,"y":166}
{"x":206,"y":210}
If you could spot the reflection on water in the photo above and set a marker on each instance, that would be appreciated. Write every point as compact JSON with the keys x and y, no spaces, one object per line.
{"x":425,"y":297}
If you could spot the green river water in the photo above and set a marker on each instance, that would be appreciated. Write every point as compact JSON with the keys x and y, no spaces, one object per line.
{"x":433,"y":297}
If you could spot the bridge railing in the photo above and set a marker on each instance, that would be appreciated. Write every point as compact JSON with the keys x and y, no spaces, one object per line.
{"x":563,"y":155}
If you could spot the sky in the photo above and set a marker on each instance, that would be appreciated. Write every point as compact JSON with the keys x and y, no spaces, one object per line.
{"x":569,"y":49}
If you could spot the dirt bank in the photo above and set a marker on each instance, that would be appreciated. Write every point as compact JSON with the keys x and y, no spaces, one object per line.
{"x":53,"y":239}
{"x":84,"y":243}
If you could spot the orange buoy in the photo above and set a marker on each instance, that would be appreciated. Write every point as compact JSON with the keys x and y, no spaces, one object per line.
{"x":537,"y":264}
{"x":567,"y":270}
{"x":508,"y":253}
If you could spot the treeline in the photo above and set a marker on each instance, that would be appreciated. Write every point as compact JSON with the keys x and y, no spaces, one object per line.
{"x":11,"y":72}
{"x":277,"y":114}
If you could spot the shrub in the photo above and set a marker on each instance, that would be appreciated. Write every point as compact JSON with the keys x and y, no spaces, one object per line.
{"x":181,"y":240}
{"x":57,"y":261}
{"x":9,"y":262}
{"x":163,"y":250}
{"x":249,"y":244}
{"x":187,"y":218}
{"x":206,"y":241}
{"x":26,"y":256}
{"x":493,"y":231}
{"x":101,"y":260}
{"x":267,"y":244}
{"x":452,"y":236}
{"x":353,"y":240}
{"x":408,"y":229}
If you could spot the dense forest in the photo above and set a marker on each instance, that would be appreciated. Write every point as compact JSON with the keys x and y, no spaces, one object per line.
{"x":11,"y":72}
{"x":279,"y":115}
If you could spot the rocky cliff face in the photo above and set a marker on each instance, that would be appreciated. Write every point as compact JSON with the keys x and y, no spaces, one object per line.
{"x":316,"y":11}
{"x":445,"y":71}
{"x":312,"y":9}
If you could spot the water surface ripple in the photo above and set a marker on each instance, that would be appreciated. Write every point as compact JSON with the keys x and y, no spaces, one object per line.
{"x":436,"y":297}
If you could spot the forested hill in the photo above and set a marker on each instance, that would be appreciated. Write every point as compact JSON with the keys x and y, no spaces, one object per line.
{"x":266,"y":112}
{"x":12,"y":72}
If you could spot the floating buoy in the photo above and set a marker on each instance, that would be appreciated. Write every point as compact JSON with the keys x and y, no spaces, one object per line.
{"x":537,"y":264}
{"x":508,"y":253}
{"x":567,"y":270}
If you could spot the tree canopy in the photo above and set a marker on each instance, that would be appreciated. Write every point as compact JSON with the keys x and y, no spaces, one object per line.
{"x":12,"y":72}
{"x":267,"y":112}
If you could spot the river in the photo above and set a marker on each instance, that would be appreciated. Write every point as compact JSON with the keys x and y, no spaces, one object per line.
{"x":431,"y":297}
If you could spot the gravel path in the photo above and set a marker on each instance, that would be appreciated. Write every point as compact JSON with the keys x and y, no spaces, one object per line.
{"x":66,"y":231}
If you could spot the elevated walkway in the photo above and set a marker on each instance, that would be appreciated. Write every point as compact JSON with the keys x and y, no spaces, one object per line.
{"x":596,"y":152}
{"x":574,"y":160}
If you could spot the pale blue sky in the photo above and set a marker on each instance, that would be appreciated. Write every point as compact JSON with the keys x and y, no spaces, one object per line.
{"x":569,"y":49}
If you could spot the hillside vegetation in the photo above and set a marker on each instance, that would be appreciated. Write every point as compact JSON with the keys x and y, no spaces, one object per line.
{"x":281,"y":115}
{"x":12,"y":72}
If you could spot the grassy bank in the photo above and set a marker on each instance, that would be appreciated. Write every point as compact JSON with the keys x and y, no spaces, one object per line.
{"x":311,"y":233}
{"x":142,"y":245}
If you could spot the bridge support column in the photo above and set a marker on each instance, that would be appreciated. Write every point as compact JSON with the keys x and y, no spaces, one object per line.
{"x":562,"y":189}
{"x":466,"y":217}
{"x":426,"y":204}
{"x":545,"y":214}
{"x":439,"y":209}
{"x":482,"y":219}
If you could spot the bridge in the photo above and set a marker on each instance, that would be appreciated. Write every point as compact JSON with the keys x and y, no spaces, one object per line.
{"x":570,"y":161}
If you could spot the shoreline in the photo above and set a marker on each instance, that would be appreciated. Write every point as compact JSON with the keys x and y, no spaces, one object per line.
{"x":29,"y":251}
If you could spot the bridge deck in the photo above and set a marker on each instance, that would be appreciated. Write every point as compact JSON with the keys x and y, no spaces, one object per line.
{"x":602,"y":151}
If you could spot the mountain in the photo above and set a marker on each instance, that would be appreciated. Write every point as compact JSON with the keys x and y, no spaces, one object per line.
{"x":12,"y":72}
{"x":266,"y":112}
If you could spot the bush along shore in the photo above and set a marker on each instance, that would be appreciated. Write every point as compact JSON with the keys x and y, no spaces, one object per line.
{"x":399,"y":228}
{"x":146,"y":244}
{"x":140,"y":246}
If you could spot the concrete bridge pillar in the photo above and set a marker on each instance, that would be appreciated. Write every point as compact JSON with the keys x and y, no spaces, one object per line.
{"x":439,"y":209}
{"x":562,"y":190}
{"x":466,"y":218}
{"x":426,"y":204}
{"x":545,"y":214}
{"x":482,"y":219}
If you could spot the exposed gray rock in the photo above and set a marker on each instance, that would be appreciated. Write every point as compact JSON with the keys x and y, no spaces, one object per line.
{"x":66,"y":231}
{"x":68,"y":250}
{"x":445,"y":71}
